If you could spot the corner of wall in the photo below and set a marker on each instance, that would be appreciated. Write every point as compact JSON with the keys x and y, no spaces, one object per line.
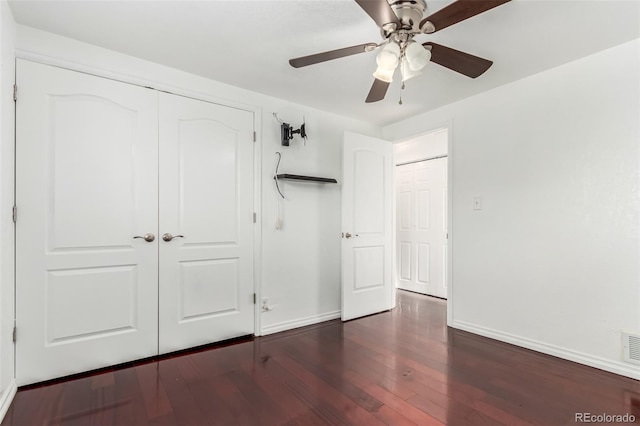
{"x":6,"y":398}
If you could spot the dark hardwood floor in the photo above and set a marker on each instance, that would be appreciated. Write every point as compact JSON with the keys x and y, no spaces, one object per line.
{"x":402,"y":367}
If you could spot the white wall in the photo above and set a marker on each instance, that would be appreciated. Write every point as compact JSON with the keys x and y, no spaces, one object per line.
{"x":422,"y":147}
{"x":301,"y":261}
{"x":299,"y":266}
{"x":7,"y":71}
{"x":552,"y":261}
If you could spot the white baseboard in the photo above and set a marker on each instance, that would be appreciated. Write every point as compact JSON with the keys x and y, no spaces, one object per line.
{"x":575,"y":356}
{"x":301,"y":322}
{"x":7,"y":398}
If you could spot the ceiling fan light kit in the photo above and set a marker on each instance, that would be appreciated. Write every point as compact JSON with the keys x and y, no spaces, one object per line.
{"x":384,"y":74}
{"x":412,"y":55}
{"x":387,"y":61}
{"x":389,"y":56}
{"x":417,"y":56}
{"x":399,"y":22}
{"x":407,"y":72}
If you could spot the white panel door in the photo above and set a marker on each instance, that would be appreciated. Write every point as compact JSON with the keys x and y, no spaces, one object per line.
{"x":367,"y":221}
{"x":421,"y":228}
{"x":86,"y":184}
{"x":206,"y":204}
{"x":405,"y":228}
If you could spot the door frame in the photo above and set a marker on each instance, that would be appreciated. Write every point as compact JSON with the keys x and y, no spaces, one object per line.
{"x":448,"y":125}
{"x":139,"y":79}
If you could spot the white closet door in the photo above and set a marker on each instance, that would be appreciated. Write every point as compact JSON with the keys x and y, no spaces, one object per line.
{"x":86,"y":184}
{"x":405,"y":229}
{"x":421,"y":194}
{"x":431,"y":226}
{"x":206,"y":204}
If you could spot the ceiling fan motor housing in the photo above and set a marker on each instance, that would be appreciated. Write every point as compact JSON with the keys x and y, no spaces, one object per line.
{"x":409,"y":12}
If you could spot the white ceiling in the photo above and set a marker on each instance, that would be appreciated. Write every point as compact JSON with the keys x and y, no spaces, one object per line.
{"x":248,"y":44}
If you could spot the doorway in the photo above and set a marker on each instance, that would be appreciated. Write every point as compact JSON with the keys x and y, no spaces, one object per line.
{"x":421,"y":187}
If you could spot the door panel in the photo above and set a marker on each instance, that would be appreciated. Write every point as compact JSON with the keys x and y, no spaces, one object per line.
{"x":405,"y":260}
{"x":86,"y":184}
{"x":424,"y":261}
{"x":105,"y":196}
{"x":368,"y":192}
{"x":366,"y":215}
{"x":208,"y":162}
{"x":206,"y":180}
{"x":405,"y":218}
{"x":107,"y":295}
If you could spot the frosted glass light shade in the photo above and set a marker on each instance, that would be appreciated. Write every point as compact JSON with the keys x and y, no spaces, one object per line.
{"x":384,"y":74}
{"x":389,"y":56}
{"x":407,"y":72}
{"x":417,"y":56}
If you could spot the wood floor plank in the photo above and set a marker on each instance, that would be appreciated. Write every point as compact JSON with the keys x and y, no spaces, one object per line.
{"x":183,"y":407}
{"x":362,"y":369}
{"x":311,"y":397}
{"x":403,"y":367}
{"x":262,"y":402}
{"x":156,"y":401}
{"x":353,"y":412}
{"x":332,"y":373}
{"x":215,"y":410}
{"x":288,"y":402}
{"x":391,"y":417}
{"x":131,"y":409}
{"x":243,"y":411}
{"x":408,"y":410}
{"x":308,"y":418}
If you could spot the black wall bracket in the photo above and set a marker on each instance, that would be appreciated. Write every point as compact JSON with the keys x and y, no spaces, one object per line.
{"x":287,"y":132}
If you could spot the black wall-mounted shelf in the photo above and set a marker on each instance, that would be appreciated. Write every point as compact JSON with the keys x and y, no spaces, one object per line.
{"x":286,"y":176}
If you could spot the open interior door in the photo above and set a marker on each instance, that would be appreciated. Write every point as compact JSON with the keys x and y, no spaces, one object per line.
{"x":367,"y":226}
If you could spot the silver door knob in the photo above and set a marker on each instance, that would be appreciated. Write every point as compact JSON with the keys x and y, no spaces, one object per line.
{"x":168,"y":237}
{"x":348,"y":235}
{"x":149,"y":237}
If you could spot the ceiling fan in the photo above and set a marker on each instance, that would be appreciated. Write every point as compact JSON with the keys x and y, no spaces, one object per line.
{"x":400,"y":21}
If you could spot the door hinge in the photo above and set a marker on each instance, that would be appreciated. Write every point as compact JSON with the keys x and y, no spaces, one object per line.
{"x":15,"y":92}
{"x":13,"y":335}
{"x":255,"y":137}
{"x":255,"y":300}
{"x":15,"y":213}
{"x":255,"y":217}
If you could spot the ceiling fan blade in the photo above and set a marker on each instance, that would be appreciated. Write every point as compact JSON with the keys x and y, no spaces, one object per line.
{"x":464,"y":63}
{"x":378,"y":91}
{"x":459,"y":11}
{"x":379,"y":11}
{"x":303,"y":61}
